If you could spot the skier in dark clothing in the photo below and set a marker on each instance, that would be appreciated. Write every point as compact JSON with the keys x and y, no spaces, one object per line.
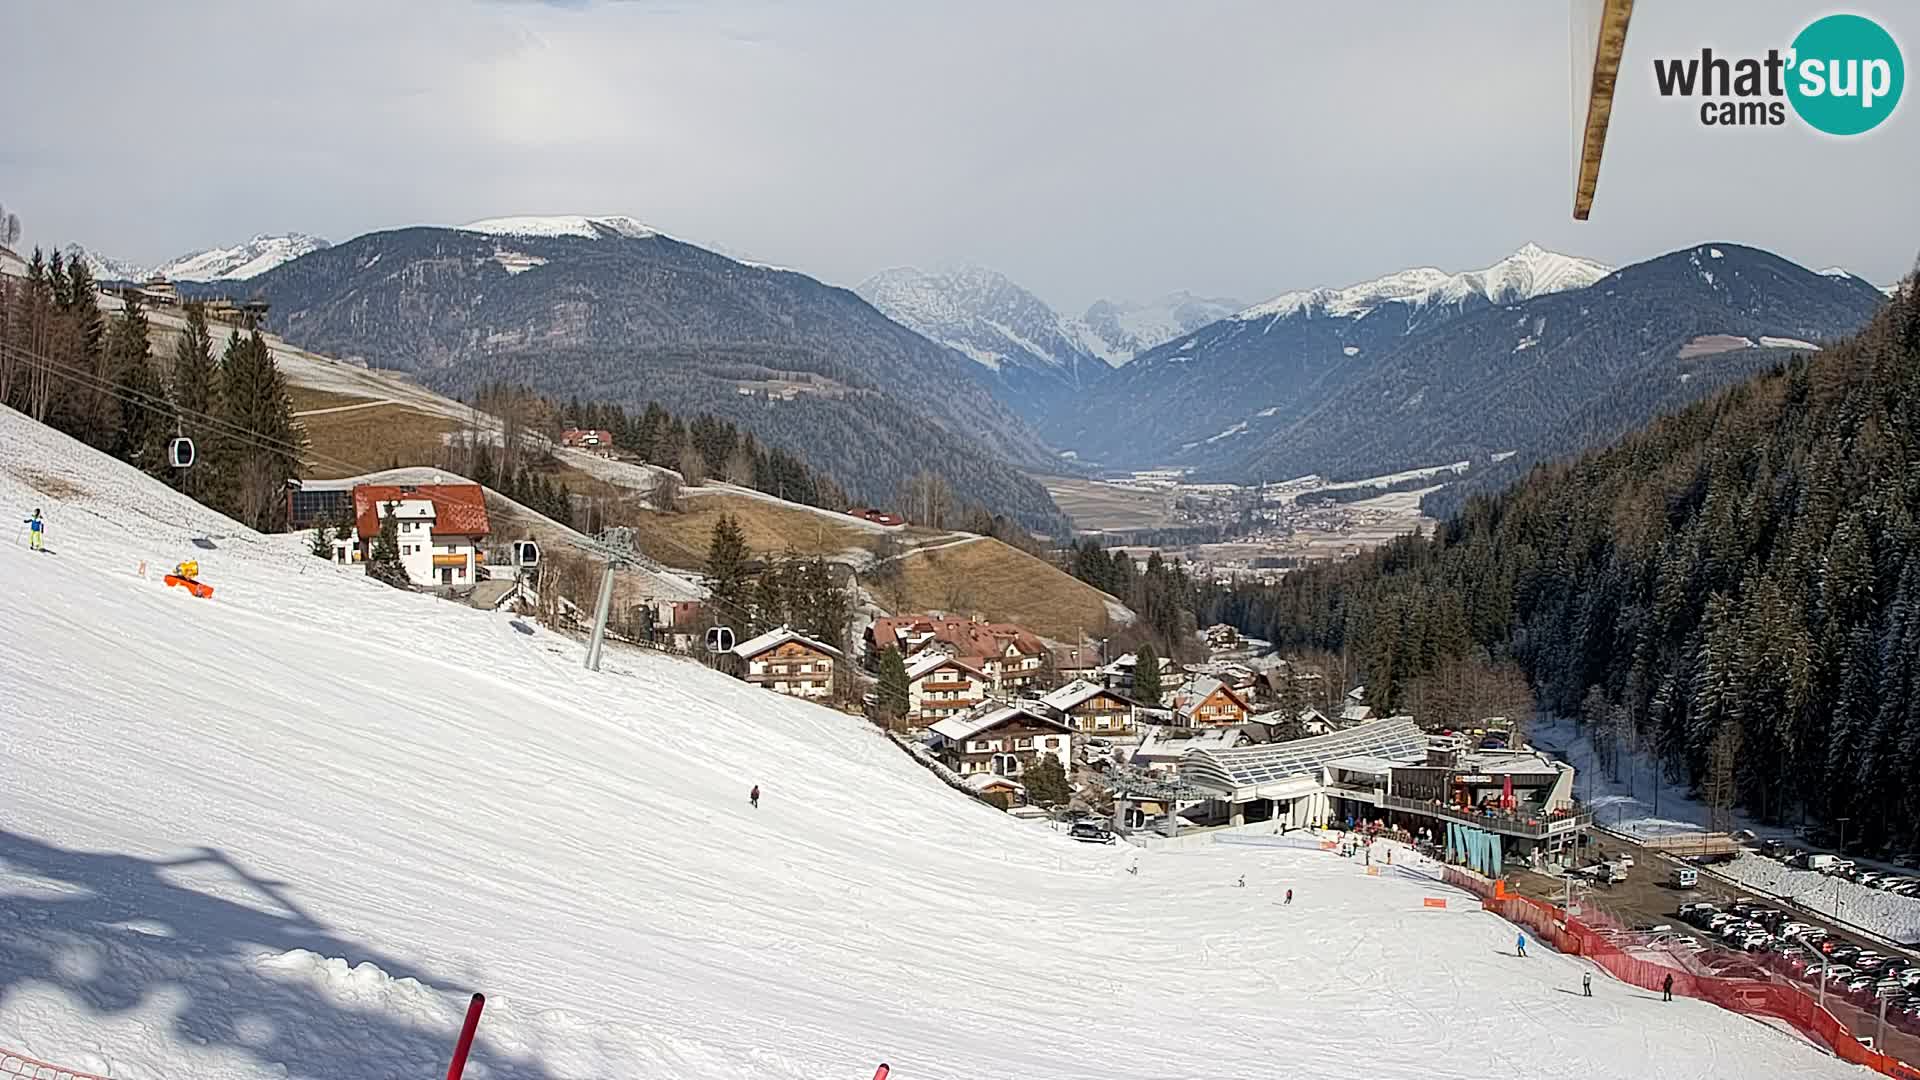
{"x":1666,"y":989}
{"x":753,"y":797}
{"x":1586,"y":984}
{"x":1289,"y":896}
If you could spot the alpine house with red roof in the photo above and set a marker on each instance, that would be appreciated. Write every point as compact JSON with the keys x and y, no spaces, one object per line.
{"x":440,"y":528}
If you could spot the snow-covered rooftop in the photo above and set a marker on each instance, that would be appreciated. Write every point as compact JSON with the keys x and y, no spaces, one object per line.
{"x":989,"y":715}
{"x":1074,"y":693}
{"x":754,"y":646}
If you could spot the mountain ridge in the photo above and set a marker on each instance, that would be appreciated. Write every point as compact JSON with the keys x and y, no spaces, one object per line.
{"x":239,"y":262}
{"x":579,"y":306}
{"x":1036,"y":357}
{"x":1363,"y":359}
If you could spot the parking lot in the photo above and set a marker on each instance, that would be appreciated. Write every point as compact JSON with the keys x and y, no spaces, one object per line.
{"x":1647,"y":899}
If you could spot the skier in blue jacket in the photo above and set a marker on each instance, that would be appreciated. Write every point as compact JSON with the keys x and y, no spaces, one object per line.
{"x":36,"y":530}
{"x":1520,"y":944}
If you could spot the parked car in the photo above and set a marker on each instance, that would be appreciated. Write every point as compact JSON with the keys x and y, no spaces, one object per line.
{"x":1866,"y":877}
{"x":1839,"y":868}
{"x":1754,"y":941}
{"x":1859,"y":983}
{"x":1794,"y":929}
{"x":1843,"y":953}
{"x":1091,"y":832}
{"x":1719,"y":919}
{"x":1691,"y":908}
{"x":1838,"y":973}
{"x":1870,"y":961}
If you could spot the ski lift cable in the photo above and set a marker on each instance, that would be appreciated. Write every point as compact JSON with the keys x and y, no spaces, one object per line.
{"x":158,"y":404}
{"x":259,"y":441}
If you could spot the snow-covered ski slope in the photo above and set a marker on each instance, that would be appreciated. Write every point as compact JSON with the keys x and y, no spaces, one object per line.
{"x":286,"y":831}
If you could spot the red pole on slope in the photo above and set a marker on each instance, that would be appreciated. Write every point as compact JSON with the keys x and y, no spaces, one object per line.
{"x":459,"y":1063}
{"x":881,"y":1072}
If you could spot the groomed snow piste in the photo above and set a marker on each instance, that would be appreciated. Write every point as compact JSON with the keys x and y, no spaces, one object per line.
{"x":286,"y":831}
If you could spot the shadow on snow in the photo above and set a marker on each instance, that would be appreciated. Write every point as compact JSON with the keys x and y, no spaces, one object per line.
{"x":71,"y":930}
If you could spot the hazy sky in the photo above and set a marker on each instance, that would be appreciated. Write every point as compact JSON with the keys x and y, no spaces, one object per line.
{"x":1088,"y":149}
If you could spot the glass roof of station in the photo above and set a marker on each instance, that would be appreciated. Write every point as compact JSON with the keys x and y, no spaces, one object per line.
{"x":1399,"y":741}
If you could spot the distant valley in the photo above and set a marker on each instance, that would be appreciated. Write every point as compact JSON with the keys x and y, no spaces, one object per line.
{"x":966,"y":373}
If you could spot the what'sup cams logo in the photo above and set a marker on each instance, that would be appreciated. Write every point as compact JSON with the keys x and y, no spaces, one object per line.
{"x":1842,"y":75}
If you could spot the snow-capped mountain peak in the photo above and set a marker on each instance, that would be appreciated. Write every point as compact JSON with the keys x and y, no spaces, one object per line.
{"x":241,"y":261}
{"x":1532,"y":271}
{"x":237,"y":263}
{"x":1117,"y":331}
{"x":103,"y":268}
{"x":590,"y":227}
{"x":1529,"y":272}
{"x":984,"y":315}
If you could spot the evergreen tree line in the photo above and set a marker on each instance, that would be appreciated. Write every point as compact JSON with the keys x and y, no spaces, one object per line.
{"x":1735,"y":589}
{"x":867,"y":440}
{"x":708,"y":446}
{"x":68,"y":364}
{"x":790,"y":591}
{"x":801,"y":593}
{"x":524,"y":483}
{"x":1164,"y":595}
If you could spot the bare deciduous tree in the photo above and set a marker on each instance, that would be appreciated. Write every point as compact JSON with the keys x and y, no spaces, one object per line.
{"x":693,"y":466}
{"x":665,"y":496}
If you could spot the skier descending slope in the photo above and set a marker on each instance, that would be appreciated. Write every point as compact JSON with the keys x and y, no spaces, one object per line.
{"x":753,"y":797}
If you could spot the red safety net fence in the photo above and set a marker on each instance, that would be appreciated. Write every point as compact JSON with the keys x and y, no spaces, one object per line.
{"x":21,"y":1067}
{"x":1759,"y":993}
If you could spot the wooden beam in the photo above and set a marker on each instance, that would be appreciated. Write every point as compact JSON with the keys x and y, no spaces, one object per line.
{"x":1612,"y":42}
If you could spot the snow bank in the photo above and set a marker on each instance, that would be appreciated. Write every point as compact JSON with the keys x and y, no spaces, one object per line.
{"x":284,"y":832}
{"x":1627,"y":806}
{"x":1890,"y":916}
